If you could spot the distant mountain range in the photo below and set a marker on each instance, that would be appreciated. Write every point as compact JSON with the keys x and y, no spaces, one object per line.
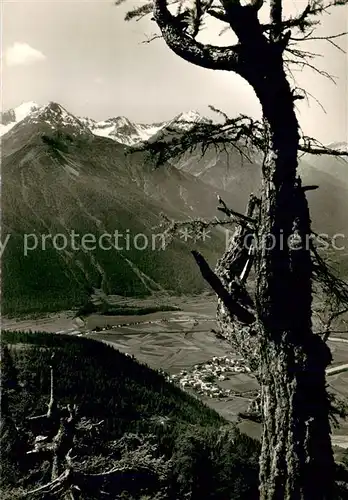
{"x":59,"y":177}
{"x":62,"y":173}
{"x":120,"y":128}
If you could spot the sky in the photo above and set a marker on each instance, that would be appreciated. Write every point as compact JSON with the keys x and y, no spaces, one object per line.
{"x":83,"y":55}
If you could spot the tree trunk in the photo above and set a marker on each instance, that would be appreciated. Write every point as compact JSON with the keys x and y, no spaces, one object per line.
{"x":296,"y":459}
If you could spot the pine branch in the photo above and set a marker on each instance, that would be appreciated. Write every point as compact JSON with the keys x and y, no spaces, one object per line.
{"x":308,"y":36}
{"x":307,"y":18}
{"x":139,"y":12}
{"x":301,"y":62}
{"x":151,"y":38}
{"x":241,"y":133}
{"x":195,"y":229}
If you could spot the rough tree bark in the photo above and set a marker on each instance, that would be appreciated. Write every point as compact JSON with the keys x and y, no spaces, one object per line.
{"x":296,"y":459}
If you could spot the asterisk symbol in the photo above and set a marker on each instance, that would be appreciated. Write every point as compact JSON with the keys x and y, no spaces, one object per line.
{"x":185,"y":234}
{"x":203,"y":235}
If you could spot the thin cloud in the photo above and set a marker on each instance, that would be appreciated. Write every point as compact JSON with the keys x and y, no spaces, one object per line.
{"x":22,"y":54}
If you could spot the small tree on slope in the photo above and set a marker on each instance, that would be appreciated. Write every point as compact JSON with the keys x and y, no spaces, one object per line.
{"x":273,"y":330}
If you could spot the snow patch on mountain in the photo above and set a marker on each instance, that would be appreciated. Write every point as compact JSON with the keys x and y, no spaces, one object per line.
{"x":52,"y":114}
{"x":13,"y":116}
{"x":119,"y":129}
{"x":185,"y":121}
{"x":24,"y":109}
{"x":122,"y":130}
{"x":129,"y":133}
{"x":55,"y":115}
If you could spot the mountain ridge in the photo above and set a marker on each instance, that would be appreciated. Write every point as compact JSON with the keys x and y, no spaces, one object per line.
{"x":119,"y":128}
{"x":58,"y":176}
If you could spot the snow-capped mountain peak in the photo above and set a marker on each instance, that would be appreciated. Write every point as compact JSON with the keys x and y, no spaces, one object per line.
{"x":123,"y":130}
{"x":51,"y":115}
{"x":185,"y":121}
{"x":189,"y":116}
{"x":122,"y":121}
{"x":55,"y":108}
{"x":13,"y":116}
{"x":24,"y":109}
{"x":119,"y":128}
{"x":54,"y":114}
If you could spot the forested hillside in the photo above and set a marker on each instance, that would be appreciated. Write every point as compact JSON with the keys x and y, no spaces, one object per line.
{"x":188,"y":450}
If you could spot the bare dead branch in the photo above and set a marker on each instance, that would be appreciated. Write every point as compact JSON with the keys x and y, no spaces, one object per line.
{"x":303,"y":63}
{"x":38,"y":417}
{"x":151,"y":38}
{"x":218,"y":14}
{"x":309,"y":188}
{"x":314,"y":147}
{"x":232,"y":269}
{"x":230,"y":302}
{"x":335,"y":315}
{"x":242,"y":219}
{"x":307,"y":95}
{"x":328,"y":38}
{"x":248,"y":265}
{"x":49,"y":487}
{"x":308,"y":36}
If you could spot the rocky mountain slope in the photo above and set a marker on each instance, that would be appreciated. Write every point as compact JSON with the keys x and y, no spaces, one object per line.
{"x":60,"y":180}
{"x":64,"y":175}
{"x":235,"y":174}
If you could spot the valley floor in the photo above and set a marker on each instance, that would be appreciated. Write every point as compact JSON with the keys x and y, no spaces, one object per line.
{"x":182,"y":341}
